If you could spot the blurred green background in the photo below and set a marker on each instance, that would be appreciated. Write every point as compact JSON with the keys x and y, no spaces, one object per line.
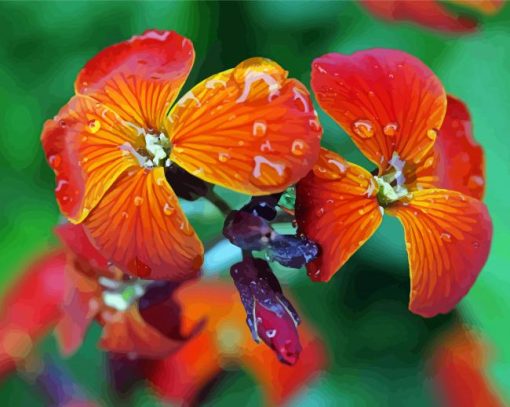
{"x":378,"y":349}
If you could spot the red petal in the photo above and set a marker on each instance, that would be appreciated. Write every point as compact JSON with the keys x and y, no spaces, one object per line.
{"x":386,"y":100}
{"x":83,"y":145}
{"x":448,"y":237}
{"x":139,"y":78}
{"x":459,"y":363}
{"x":456,"y":162}
{"x":249,"y":129}
{"x":431,"y":14}
{"x":140,"y":226}
{"x":30,"y":307}
{"x":336,"y":207}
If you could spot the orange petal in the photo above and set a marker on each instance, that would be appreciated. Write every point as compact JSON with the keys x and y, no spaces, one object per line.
{"x":140,"y":226}
{"x":249,"y":129}
{"x":139,"y":78}
{"x":127,"y":332}
{"x":456,"y":162}
{"x":386,"y":100}
{"x":488,"y":7}
{"x":83,"y":147}
{"x":448,"y":237}
{"x":432,"y":14}
{"x":336,"y":207}
{"x":459,"y":362}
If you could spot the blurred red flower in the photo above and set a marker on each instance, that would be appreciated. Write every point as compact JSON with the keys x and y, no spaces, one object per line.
{"x":429,"y":176}
{"x":433,"y":14}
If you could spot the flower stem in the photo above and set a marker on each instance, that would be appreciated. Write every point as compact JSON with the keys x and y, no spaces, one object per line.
{"x":219,"y":202}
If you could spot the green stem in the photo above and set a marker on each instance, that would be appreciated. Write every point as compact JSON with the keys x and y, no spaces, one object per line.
{"x":219,"y":202}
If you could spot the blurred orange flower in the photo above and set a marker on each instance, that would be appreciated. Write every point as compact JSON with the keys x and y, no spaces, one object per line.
{"x":393,"y":108}
{"x":433,"y":13}
{"x":250,"y":129}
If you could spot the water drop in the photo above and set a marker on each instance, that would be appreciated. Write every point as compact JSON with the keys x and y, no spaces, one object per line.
{"x":167,"y":209}
{"x":298,"y":147}
{"x":319,"y":212}
{"x":138,"y":201}
{"x":94,"y":126}
{"x":446,"y":237}
{"x":62,"y":123}
{"x":271,"y":333}
{"x":363,"y":128}
{"x":428,"y":162}
{"x":432,"y":134}
{"x":476,"y":244}
{"x":314,"y":125}
{"x":267,"y":172}
{"x":55,"y":161}
{"x":223,"y":157}
{"x":259,"y":128}
{"x":124,"y":214}
{"x":390,"y":129}
{"x":475,"y":181}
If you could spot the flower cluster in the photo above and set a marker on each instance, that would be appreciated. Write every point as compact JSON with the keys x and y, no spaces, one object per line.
{"x":125,"y":156}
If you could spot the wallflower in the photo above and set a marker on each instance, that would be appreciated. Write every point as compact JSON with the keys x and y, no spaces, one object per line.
{"x":433,"y":13}
{"x":393,"y":107}
{"x":249,"y":129}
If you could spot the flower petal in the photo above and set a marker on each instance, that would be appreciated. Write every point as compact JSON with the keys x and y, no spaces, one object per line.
{"x":337,"y":208}
{"x":83,"y":146}
{"x":448,"y":237}
{"x":139,"y":78}
{"x":30,"y":307}
{"x":140,"y":226}
{"x":456,"y":161}
{"x":432,"y":14}
{"x":386,"y":100}
{"x":249,"y":129}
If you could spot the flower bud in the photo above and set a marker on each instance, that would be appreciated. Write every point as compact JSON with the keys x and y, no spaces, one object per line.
{"x":247,"y":231}
{"x":292,"y":251}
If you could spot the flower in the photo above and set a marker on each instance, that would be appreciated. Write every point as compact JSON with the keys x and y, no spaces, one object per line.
{"x":433,"y":13}
{"x":181,"y":376}
{"x":139,"y":317}
{"x":458,"y":364}
{"x":393,"y":108}
{"x":250,"y":129}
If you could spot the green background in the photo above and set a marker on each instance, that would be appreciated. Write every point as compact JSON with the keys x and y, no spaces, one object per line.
{"x":378,"y":350}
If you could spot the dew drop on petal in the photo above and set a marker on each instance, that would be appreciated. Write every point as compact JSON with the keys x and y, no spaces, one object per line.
{"x":432,"y":134}
{"x":269,"y":172}
{"x":223,"y":157}
{"x":55,"y":161}
{"x":160,"y":181}
{"x":319,"y":212}
{"x":168,"y":209}
{"x":259,"y":128}
{"x":298,"y":147}
{"x":428,"y":162}
{"x":124,"y":214}
{"x":475,"y":181}
{"x":138,"y":201}
{"x":94,"y":126}
{"x":476,"y":244}
{"x":390,"y":129}
{"x":363,"y":128}
{"x":446,"y":237}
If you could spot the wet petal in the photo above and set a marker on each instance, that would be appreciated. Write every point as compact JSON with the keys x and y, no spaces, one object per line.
{"x":456,"y":161}
{"x":337,"y":208}
{"x":249,"y":129}
{"x":432,"y":14}
{"x":448,"y":237}
{"x":140,"y":226}
{"x":139,"y":78}
{"x":30,"y":307}
{"x":386,"y":100}
{"x":83,"y":146}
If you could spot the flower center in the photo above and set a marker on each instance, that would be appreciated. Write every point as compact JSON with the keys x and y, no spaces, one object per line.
{"x":120,"y":295}
{"x":155,"y":153}
{"x":392,"y":184}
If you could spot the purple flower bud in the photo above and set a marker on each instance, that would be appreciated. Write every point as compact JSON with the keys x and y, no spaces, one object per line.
{"x":292,"y":251}
{"x":263,"y":206}
{"x":270,"y":316}
{"x":247,"y":231}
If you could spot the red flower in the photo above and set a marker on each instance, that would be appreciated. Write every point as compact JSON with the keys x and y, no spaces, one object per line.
{"x":432,"y":13}
{"x":250,"y":129}
{"x":138,"y":317}
{"x":393,"y":107}
{"x":459,"y":363}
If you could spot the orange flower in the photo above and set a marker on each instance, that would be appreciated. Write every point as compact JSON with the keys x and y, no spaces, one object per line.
{"x":459,"y":363}
{"x":433,"y":13}
{"x":392,"y":106}
{"x":225,"y":342}
{"x":250,"y":129}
